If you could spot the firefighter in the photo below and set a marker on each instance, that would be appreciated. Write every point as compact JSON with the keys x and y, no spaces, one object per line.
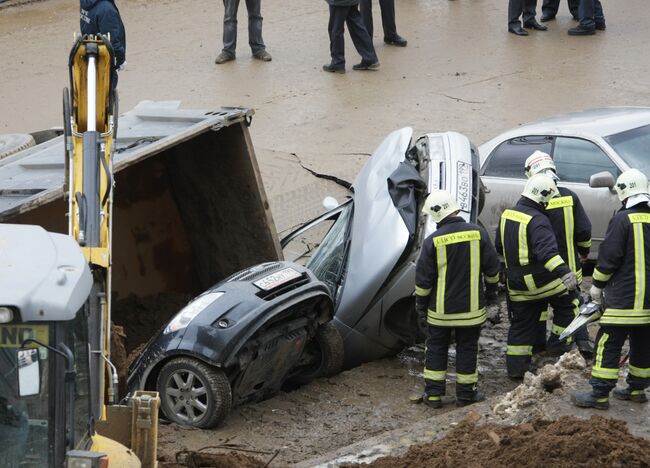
{"x":572,"y":230}
{"x":622,"y":270}
{"x":451,"y":297}
{"x":535,"y":272}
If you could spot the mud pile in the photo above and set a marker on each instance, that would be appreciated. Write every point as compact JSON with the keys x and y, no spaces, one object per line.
{"x":213,"y":460}
{"x":567,"y":442}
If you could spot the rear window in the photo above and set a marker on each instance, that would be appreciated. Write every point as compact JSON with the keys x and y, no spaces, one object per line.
{"x":508,"y":159}
{"x":634,"y":147}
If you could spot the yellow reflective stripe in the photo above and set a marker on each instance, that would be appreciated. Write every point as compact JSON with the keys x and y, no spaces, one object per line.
{"x":523,"y":245}
{"x":467,"y":378}
{"x":560,"y":202}
{"x":638,"y":392}
{"x":516,"y":216}
{"x":456,"y":237}
{"x":433,"y":314}
{"x":519,"y":350}
{"x":568,"y":233}
{"x":604,"y":373}
{"x":600,"y":276}
{"x":435,"y":375}
{"x":585,"y":244}
{"x":434,"y":398}
{"x":609,"y":320}
{"x":639,"y":266}
{"x":550,"y":289}
{"x":464,"y":319}
{"x":474,"y":273}
{"x":556,"y":329}
{"x":553,"y":263}
{"x":639,"y":218}
{"x":543,"y":317}
{"x":441,"y":253}
{"x":598,"y":363}
{"x":502,"y":227}
{"x":422,"y":291}
{"x":576,"y":307}
{"x":579,"y":275}
{"x":644,"y":373}
{"x":530,"y":282}
{"x":492,"y":279}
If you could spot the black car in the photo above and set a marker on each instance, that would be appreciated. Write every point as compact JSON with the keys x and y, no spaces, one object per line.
{"x":242,"y":340}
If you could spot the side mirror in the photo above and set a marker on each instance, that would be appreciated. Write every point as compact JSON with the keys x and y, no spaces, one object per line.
{"x":29,"y":372}
{"x":329,"y":203}
{"x":602,"y":179}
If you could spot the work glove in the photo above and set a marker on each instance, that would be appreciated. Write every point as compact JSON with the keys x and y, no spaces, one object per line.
{"x":570,"y":280}
{"x":596,"y":294}
{"x":421,"y":309}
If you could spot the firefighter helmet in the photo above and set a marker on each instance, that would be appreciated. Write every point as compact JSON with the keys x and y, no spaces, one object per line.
{"x":540,"y":188}
{"x":440,"y":204}
{"x":631,"y":182}
{"x":540,"y":163}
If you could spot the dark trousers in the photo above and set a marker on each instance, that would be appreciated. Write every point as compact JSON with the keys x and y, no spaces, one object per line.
{"x":339,"y":17}
{"x":609,"y":342}
{"x":387,"y":17}
{"x":550,"y":7}
{"x":435,"y":371}
{"x":523,"y":8}
{"x":590,"y":13}
{"x":254,"y":26}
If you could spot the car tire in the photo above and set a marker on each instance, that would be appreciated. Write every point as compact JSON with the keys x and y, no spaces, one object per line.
{"x":328,"y":347}
{"x":15,"y":142}
{"x":206,"y":402}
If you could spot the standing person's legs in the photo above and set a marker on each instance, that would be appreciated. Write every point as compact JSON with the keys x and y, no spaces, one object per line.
{"x":360,"y":37}
{"x":365,"y":8}
{"x":515,"y":9}
{"x":435,"y":364}
{"x":565,"y":309}
{"x":540,"y":339}
{"x":522,"y":334}
{"x":466,"y":363}
{"x":586,"y":13}
{"x":604,"y":373}
{"x":336,"y":28}
{"x":638,"y":376}
{"x":230,"y":26}
{"x":573,"y":8}
{"x":255,"y":19}
{"x":549,"y":9}
{"x":529,"y":11}
{"x":599,"y":15}
{"x":388,"y":19}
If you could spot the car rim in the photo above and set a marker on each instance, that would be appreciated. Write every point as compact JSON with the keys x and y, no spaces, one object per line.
{"x":186,"y":396}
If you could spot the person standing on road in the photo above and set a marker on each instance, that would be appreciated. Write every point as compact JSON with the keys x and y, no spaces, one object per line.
{"x":572,"y":230}
{"x":536,"y":273}
{"x":591,"y":17}
{"x":255,"y":40}
{"x":450,"y":297}
{"x":526,"y":10}
{"x":344,"y":12}
{"x":623,"y":271}
{"x":550,"y":8}
{"x":387,"y":20}
{"x":103,"y":17}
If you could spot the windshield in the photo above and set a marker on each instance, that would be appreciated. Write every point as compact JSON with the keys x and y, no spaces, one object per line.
{"x":24,"y":431}
{"x":632,"y":146}
{"x":327,"y":262}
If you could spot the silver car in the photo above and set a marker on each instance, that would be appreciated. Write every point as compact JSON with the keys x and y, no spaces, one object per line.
{"x":365,"y":249}
{"x":590,"y":149}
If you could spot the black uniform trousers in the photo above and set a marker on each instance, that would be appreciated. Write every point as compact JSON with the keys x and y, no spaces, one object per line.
{"x":525,"y":326}
{"x":339,"y":17}
{"x":609,"y":342}
{"x":387,"y":17}
{"x":567,"y":305}
{"x":435,"y":372}
{"x":550,"y":8}
{"x":591,"y":13}
{"x":523,"y":8}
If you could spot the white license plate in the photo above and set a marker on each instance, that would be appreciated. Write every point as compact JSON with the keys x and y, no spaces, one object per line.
{"x":464,"y":186}
{"x":277,"y":279}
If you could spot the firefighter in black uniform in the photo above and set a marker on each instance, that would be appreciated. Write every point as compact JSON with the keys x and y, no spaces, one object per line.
{"x":450,"y":297}
{"x":623,"y":270}
{"x":536,"y":274}
{"x":572,"y":230}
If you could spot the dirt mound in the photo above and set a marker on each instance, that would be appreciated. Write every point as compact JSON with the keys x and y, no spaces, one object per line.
{"x":119,"y":357}
{"x":191,"y":459}
{"x":567,"y":442}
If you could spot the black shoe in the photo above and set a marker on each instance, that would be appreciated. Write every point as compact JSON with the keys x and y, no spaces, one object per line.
{"x":637,"y":396}
{"x":546,"y":18}
{"x":328,"y":67}
{"x":580,"y":30}
{"x":558,"y":348}
{"x":590,"y":400}
{"x":432,"y":400}
{"x":263,"y":55}
{"x":460,"y":402}
{"x":601,"y":26}
{"x":397,"y":40}
{"x":518,"y":30}
{"x":535,"y":25}
{"x":366,"y":66}
{"x":223,"y":57}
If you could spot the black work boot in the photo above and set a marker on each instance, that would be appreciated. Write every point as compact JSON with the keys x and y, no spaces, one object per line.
{"x":590,"y":400}
{"x":460,"y":402}
{"x":434,"y":401}
{"x":637,"y":396}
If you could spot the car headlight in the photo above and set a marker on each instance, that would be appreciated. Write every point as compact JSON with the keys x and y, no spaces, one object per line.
{"x":191,"y":310}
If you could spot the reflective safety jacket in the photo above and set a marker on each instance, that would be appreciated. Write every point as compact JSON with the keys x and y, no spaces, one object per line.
{"x":623,"y":268}
{"x":449,"y":272}
{"x":572,"y":228}
{"x":526,"y":240}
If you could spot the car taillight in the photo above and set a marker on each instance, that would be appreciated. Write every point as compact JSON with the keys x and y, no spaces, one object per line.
{"x":85,"y":459}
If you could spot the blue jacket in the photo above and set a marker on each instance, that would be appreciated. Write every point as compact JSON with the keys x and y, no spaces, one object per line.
{"x":103,"y":17}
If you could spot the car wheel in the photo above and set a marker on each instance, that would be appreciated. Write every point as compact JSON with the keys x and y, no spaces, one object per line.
{"x":327,"y":349}
{"x":193,"y":393}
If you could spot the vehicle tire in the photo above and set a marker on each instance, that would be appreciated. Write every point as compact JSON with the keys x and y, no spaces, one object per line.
{"x":328,"y":349}
{"x":14,"y":142}
{"x":481,"y":196}
{"x":193,"y":393}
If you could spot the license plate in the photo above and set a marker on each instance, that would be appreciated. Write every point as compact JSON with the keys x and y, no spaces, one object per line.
{"x":277,"y":279}
{"x":464,"y":186}
{"x":11,"y":336}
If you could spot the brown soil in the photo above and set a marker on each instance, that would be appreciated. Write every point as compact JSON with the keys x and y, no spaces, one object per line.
{"x":214,"y":460}
{"x":119,"y":357}
{"x":567,"y":442}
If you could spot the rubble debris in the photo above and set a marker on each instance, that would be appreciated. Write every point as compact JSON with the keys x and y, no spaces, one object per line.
{"x":191,"y":459}
{"x":568,"y":442}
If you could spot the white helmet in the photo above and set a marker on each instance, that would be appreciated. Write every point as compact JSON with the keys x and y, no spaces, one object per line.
{"x":631,"y":182}
{"x":540,"y":188}
{"x":440,"y":204}
{"x":540,"y":163}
